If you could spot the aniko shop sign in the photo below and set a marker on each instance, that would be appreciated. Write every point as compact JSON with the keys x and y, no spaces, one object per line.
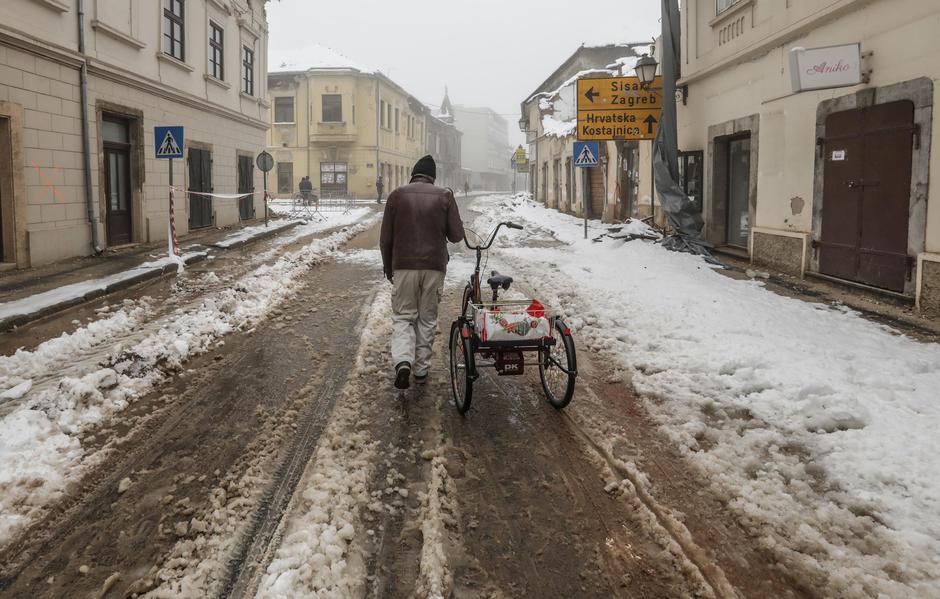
{"x":821,"y":68}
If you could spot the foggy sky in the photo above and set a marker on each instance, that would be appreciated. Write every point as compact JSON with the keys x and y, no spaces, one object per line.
{"x":488,"y":52}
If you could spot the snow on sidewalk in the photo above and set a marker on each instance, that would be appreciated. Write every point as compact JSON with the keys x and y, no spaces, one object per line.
{"x":247,"y":234}
{"x":819,"y":427}
{"x":34,"y":306}
{"x":40,"y":448}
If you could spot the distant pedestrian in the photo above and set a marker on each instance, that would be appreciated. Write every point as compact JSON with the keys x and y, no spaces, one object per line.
{"x":420,"y":218}
{"x":379,"y":188}
{"x":306,"y":189}
{"x":466,"y":188}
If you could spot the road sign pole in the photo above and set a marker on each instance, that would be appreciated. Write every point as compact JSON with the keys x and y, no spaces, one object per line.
{"x":265,"y":198}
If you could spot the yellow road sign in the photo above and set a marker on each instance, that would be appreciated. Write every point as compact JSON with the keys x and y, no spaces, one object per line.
{"x":600,"y":125}
{"x":618,"y":93}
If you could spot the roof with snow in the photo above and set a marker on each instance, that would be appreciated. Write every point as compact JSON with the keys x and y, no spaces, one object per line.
{"x":313,"y":57}
{"x":589,"y":60}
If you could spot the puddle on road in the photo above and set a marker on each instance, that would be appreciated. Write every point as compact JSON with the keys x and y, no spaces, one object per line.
{"x":367,"y":240}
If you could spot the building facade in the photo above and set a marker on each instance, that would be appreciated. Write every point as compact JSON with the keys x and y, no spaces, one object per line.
{"x":443,"y":144}
{"x":485,"y":148}
{"x":833,"y":182}
{"x":195,"y":63}
{"x":618,"y":188}
{"x":343,"y":126}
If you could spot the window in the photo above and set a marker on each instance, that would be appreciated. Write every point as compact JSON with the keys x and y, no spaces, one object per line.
{"x":397,"y":113}
{"x":691,"y":176}
{"x":284,"y":109}
{"x":724,"y":5}
{"x":248,"y":70}
{"x":285,"y":177}
{"x":173,"y":40}
{"x":332,"y":108}
{"x":216,"y":51}
{"x":382,"y":119}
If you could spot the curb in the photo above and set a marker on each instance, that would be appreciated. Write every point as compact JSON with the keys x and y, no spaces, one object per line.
{"x":17,"y":320}
{"x":145,"y":275}
{"x":263,"y":235}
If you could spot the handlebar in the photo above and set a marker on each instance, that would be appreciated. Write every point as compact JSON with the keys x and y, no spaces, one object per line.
{"x":492,"y":238}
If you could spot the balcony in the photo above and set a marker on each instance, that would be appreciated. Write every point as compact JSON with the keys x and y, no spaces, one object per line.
{"x":333,"y":132}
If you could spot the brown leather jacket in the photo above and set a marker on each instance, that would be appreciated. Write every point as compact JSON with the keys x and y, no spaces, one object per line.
{"x":419,"y":220}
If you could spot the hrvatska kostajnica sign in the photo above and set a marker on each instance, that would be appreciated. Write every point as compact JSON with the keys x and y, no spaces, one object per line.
{"x":618,"y":108}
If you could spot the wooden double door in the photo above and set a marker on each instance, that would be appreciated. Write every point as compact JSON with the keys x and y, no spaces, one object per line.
{"x":866,"y":195}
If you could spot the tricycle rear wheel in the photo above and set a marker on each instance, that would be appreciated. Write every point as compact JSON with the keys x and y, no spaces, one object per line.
{"x":461,"y":367}
{"x":558,"y":366}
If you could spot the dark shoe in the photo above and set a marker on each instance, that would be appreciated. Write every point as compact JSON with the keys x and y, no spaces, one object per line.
{"x":420,"y":380}
{"x":403,"y":375}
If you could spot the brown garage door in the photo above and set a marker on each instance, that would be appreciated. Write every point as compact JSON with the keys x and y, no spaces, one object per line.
{"x":866,"y":195}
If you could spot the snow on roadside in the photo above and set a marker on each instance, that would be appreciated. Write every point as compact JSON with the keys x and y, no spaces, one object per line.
{"x":315,"y":557}
{"x":819,"y":426}
{"x":435,"y":579}
{"x":40,"y":450}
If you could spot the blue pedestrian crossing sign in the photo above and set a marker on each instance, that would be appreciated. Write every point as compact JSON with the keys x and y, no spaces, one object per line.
{"x":586,"y":153}
{"x":168,"y":142}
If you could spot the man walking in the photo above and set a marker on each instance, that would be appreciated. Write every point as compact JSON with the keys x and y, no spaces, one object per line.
{"x":420,"y":218}
{"x":379,"y":187}
{"x":306,"y":187}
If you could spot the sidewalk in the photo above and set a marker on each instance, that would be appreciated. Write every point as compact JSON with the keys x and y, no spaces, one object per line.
{"x":31,"y":294}
{"x":883,"y":309}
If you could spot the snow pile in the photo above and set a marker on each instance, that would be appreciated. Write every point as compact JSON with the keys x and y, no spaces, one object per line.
{"x":314,"y":558}
{"x":435,"y":579}
{"x":40,"y":452}
{"x":555,"y":128}
{"x":633,"y":226}
{"x":819,"y":426}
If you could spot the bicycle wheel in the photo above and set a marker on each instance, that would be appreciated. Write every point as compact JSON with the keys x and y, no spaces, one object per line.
{"x":465,"y":303}
{"x":461,"y":360}
{"x":558,"y":366}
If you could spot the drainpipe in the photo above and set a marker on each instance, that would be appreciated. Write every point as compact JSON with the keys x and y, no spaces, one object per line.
{"x":86,"y":137}
{"x":378,"y":106}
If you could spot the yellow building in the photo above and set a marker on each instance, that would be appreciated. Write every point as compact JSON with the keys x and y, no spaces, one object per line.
{"x":342,"y":125}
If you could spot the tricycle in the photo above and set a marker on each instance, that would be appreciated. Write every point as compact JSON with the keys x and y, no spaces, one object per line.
{"x":499,"y":334}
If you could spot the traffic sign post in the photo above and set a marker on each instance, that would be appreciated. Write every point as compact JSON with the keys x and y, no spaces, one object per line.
{"x":618,"y":108}
{"x":265,"y":163}
{"x":169,"y":144}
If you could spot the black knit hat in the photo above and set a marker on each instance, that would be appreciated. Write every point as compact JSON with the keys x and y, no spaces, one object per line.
{"x":425,"y":166}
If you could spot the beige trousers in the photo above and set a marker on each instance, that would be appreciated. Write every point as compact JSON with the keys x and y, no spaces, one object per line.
{"x":415,"y":301}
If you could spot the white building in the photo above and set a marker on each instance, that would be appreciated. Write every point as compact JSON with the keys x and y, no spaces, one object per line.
{"x":195,"y":63}
{"x":484,"y":147}
{"x":620,"y":186}
{"x":834,"y":182}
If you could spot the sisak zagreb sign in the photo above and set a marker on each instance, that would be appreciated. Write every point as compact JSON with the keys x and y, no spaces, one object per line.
{"x":822,"y":68}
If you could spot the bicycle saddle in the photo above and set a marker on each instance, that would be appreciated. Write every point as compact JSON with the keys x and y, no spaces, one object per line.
{"x":497,"y":280}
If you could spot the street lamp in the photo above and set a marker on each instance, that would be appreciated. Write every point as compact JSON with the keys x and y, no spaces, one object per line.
{"x":523,"y":124}
{"x":646,"y":68}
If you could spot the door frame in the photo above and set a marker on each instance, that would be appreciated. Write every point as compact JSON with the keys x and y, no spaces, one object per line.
{"x":239,"y":154}
{"x":105,"y":182}
{"x":920,"y":92}
{"x":205,"y":147}
{"x":136,"y":165}
{"x":13,"y":180}
{"x":715,"y":204}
